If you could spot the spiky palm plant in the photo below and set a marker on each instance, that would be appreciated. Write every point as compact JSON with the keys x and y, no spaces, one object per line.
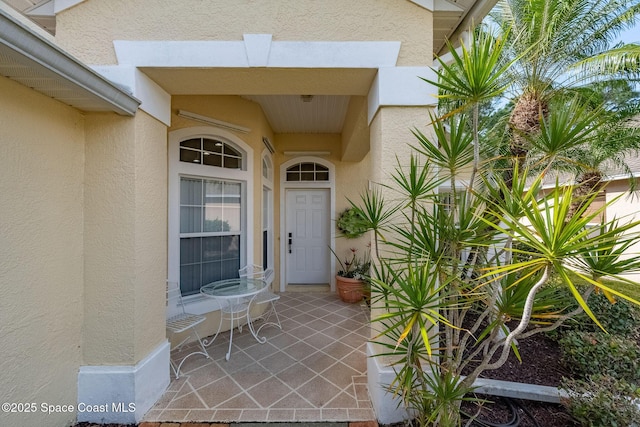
{"x":568,"y":44}
{"x":457,"y":269}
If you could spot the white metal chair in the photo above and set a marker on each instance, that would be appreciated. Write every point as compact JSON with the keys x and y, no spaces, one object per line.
{"x":253,"y":271}
{"x":178,"y":320}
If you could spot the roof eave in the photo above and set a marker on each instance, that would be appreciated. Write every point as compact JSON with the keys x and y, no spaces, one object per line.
{"x":472,"y":17}
{"x":38,"y":63}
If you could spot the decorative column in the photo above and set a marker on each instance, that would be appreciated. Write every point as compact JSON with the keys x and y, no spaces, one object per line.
{"x":399,"y":101}
{"x":125,"y":351}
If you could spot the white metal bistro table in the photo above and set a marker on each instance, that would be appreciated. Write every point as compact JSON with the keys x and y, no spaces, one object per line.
{"x":235,"y":297}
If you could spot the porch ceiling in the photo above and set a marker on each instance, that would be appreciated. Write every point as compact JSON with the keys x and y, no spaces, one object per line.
{"x":278,"y":91}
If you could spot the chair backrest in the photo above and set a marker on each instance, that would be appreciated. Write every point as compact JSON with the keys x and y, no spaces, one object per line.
{"x":252,"y":271}
{"x":175,"y":306}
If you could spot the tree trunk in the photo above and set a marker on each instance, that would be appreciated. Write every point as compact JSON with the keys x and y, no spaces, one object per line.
{"x":524,"y":123}
{"x":588,"y":183}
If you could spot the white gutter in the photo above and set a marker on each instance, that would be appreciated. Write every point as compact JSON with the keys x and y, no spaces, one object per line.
{"x":23,"y":54}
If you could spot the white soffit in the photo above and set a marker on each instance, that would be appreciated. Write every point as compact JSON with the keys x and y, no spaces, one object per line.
{"x":60,"y":5}
{"x":293,"y":114}
{"x":440,"y":5}
{"x":451,"y":18}
{"x":42,"y":12}
{"x":37,"y":63}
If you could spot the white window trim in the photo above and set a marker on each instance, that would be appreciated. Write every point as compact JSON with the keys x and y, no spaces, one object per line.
{"x":199,"y":304}
{"x":268,"y":184}
{"x":284,"y":185}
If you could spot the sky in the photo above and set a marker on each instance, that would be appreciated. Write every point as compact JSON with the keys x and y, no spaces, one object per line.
{"x":632,"y":35}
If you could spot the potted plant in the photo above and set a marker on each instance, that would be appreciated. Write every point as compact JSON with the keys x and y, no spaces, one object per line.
{"x":351,"y":280}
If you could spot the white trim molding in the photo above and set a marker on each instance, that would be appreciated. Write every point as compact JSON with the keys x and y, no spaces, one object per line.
{"x":401,"y":86}
{"x":258,"y":50}
{"x":154,"y":100}
{"x":123,"y":394}
{"x":387,"y":407}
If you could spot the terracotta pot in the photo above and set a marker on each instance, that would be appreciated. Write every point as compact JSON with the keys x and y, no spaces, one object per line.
{"x":350,"y":290}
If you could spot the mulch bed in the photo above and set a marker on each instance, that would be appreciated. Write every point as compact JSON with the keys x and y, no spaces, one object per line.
{"x":541,"y":365}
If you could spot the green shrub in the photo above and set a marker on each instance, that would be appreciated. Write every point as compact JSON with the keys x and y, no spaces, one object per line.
{"x":592,"y":353}
{"x":621,"y":318}
{"x":602,"y":401}
{"x":351,"y":223}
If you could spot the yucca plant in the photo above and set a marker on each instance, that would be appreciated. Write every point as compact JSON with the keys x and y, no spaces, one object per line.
{"x":466,"y":253}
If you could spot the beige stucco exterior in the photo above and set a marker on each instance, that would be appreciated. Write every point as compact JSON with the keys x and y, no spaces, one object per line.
{"x":624,"y":207}
{"x":125,"y":234}
{"x":86,"y":196}
{"x":87,"y":30}
{"x":41,"y":252}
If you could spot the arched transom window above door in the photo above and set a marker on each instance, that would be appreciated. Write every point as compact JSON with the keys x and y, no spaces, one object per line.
{"x":307,"y":171}
{"x":210,"y":152}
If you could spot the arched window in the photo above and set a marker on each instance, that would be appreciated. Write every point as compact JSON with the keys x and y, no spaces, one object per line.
{"x":267,"y":169}
{"x":307,"y":171}
{"x":210,"y":152}
{"x":208,"y":193}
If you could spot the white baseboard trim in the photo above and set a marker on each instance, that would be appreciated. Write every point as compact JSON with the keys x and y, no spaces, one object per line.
{"x":388,"y":410}
{"x":123,"y":394}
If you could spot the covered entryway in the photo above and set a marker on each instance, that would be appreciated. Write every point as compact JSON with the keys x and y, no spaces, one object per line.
{"x":333,"y":112}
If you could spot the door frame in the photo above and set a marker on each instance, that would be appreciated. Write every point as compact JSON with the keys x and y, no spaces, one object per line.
{"x":302,"y":185}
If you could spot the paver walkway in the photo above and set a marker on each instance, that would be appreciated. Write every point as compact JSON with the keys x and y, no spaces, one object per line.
{"x":314,"y":370}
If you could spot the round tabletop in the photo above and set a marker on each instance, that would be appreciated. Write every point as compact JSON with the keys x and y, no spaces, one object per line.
{"x":233,"y":288}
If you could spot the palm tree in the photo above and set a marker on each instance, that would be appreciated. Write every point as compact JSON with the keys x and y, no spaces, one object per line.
{"x":559,"y":46}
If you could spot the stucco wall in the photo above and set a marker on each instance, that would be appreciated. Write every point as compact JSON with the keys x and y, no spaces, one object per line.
{"x":151,"y":233}
{"x":626,"y":209}
{"x":41,"y":241}
{"x":391,"y":138}
{"x":125,"y":238}
{"x":87,"y":30}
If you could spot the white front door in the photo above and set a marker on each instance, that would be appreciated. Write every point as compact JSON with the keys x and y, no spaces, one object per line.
{"x":307,"y":236}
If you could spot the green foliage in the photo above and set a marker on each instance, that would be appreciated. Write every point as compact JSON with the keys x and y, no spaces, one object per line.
{"x":438,"y":403}
{"x":354,"y":266}
{"x":591,"y":353}
{"x":470,"y":230}
{"x":620,"y":318}
{"x":474,"y":74}
{"x":351,"y":223}
{"x":603,"y":401}
{"x":216,"y":225}
{"x":605,"y":367}
{"x":550,"y":303}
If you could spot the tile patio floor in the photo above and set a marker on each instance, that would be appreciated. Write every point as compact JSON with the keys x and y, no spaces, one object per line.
{"x":312,"y":370}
